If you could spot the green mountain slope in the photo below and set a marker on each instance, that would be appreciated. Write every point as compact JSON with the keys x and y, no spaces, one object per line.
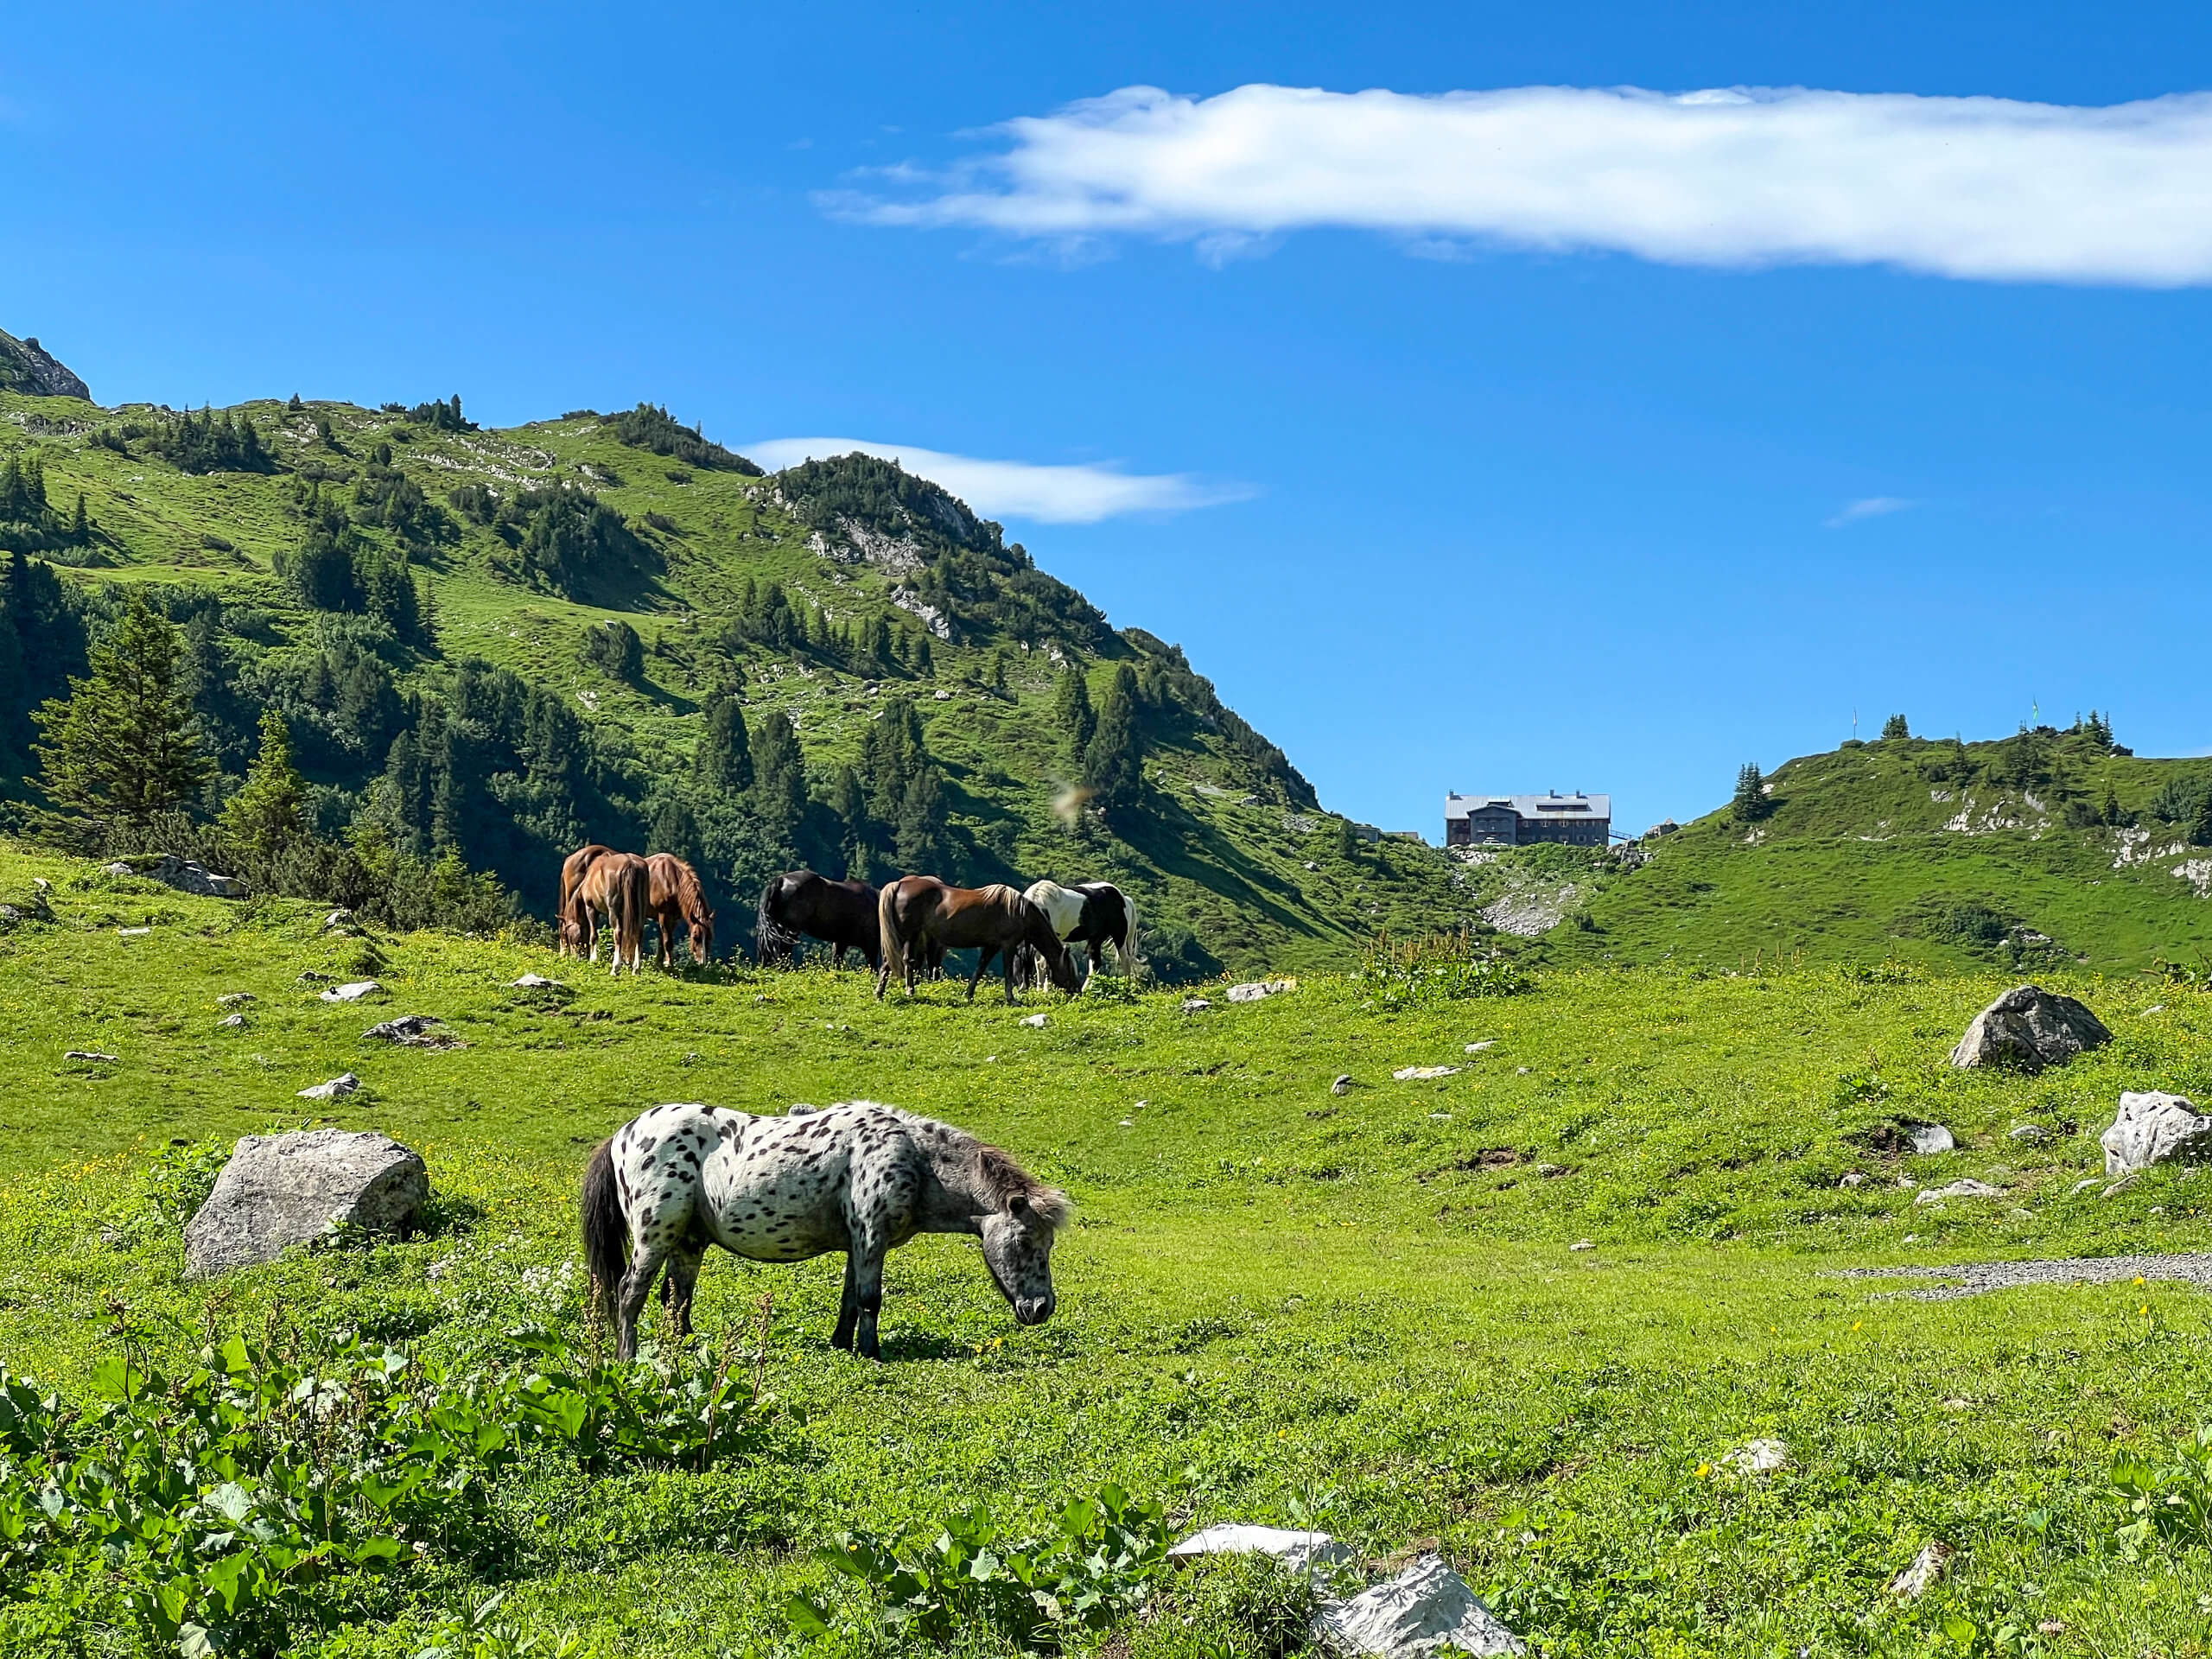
{"x":2046,"y":848}
{"x":507,"y":642}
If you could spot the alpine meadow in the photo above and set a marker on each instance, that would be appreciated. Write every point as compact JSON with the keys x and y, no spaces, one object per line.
{"x":1620,"y":1239}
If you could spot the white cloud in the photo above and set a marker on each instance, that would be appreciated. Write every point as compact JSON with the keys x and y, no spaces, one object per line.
{"x":1873,"y":506}
{"x":1019,"y":489}
{"x":1978,"y":188}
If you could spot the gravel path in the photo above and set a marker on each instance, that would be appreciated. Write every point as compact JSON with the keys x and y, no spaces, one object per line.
{"x":1972,"y":1278}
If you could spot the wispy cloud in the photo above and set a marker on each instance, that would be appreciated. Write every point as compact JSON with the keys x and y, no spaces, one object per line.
{"x":1985,"y":188}
{"x":1020,"y":489}
{"x":1871,"y":506}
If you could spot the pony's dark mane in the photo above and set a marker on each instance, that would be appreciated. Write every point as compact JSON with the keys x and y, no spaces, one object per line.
{"x":998,"y":1175}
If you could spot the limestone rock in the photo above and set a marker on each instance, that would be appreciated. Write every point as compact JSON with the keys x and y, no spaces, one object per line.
{"x":353,"y":993}
{"x":536,"y":982}
{"x":88,"y":1054}
{"x":1927,"y":1139}
{"x":1422,"y":1073}
{"x":2152,"y":1127}
{"x":278,"y":1190}
{"x":1476,"y":1048}
{"x":345,"y":1083}
{"x":2030,"y":1029}
{"x":1929,"y":1566}
{"x":1037,"y":1021}
{"x":1195,"y":1004}
{"x":27,"y":367}
{"x":416,"y":1030}
{"x":182,"y":875}
{"x":1253,"y":990}
{"x":1425,"y":1608}
{"x":232,"y":1022}
{"x":1301,"y":1552}
{"x":1758,"y":1458}
{"x":1343,"y":1085}
{"x":1958,"y":1190}
{"x":234,"y":999}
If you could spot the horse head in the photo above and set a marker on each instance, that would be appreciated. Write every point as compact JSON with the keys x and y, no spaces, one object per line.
{"x":1017,"y":1249}
{"x":1046,"y":940}
{"x":702,"y":937}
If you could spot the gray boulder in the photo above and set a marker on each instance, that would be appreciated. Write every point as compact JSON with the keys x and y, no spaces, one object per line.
{"x":182,"y":875}
{"x":282,"y":1190}
{"x":2030,"y":1028}
{"x":2152,"y":1127}
{"x":1425,"y":1608}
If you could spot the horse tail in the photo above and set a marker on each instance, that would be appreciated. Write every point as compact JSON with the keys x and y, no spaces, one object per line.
{"x":771,"y":937}
{"x":606,"y":1231}
{"x":894,"y":947}
{"x":1130,"y":961}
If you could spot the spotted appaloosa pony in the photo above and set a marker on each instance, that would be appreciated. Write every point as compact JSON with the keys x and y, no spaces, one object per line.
{"x":618,"y":886}
{"x":800,"y":904}
{"x":675,"y":896}
{"x":922,"y":918}
{"x":857,"y":1176}
{"x":575,"y":923}
{"x":1093,"y":913}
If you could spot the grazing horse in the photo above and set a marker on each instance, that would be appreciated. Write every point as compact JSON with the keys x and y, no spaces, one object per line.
{"x":575,"y":924}
{"x":921,"y":916}
{"x":674,"y":895}
{"x":1093,"y":913}
{"x":798,"y":904}
{"x":858,"y":1177}
{"x":619,"y":887}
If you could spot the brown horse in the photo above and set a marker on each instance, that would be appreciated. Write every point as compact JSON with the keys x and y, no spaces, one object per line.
{"x":618,"y":886}
{"x":675,"y":896}
{"x":920,"y":916}
{"x":575,"y":926}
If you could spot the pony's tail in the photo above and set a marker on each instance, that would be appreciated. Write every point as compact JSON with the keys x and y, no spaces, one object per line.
{"x":606,"y":1231}
{"x":894,"y":947}
{"x":771,"y":937}
{"x":1132,"y":964}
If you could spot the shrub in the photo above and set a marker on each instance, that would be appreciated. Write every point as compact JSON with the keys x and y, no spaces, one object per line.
{"x":2168,"y":1503}
{"x":1423,"y":972}
{"x":649,"y":427}
{"x":613,"y":648}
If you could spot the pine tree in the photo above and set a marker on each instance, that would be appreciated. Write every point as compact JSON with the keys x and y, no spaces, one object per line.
{"x":675,"y":828}
{"x":1894,"y":729}
{"x":123,"y":743}
{"x":1113,"y":762}
{"x":855,"y":837}
{"x":725,"y":757}
{"x":269,"y":813}
{"x":2200,"y":827}
{"x":918,"y":843}
{"x":80,"y":524}
{"x":1071,"y":708}
{"x":778,"y":778}
{"x":999,"y":673}
{"x":2110,"y":813}
{"x":925,"y":658}
{"x":1750,"y":801}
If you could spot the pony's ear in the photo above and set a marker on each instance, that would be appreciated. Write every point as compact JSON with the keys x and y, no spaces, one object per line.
{"x":1018,"y":1204}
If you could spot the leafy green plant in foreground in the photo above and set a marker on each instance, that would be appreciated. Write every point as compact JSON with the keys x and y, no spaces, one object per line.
{"x":1419,"y":973}
{"x":2168,"y":1503}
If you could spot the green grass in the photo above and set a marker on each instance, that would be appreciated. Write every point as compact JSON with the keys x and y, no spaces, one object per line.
{"x":1276,"y":1301}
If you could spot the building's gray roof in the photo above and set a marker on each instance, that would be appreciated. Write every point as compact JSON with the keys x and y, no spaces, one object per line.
{"x":1552,"y":808}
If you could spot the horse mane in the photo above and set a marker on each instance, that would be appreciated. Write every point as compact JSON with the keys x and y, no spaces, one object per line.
{"x":999,"y":1177}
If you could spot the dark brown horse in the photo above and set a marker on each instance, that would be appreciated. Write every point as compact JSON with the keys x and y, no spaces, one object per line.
{"x":919,"y":916}
{"x":675,"y":895}
{"x":574,"y":923}
{"x":618,"y":886}
{"x":798,"y":904}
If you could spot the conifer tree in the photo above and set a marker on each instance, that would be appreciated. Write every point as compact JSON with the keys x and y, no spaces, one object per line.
{"x":1894,"y":729}
{"x":778,"y":778}
{"x":1071,"y":709}
{"x":855,"y":838}
{"x":123,"y":743}
{"x":999,"y":673}
{"x":675,"y":828}
{"x":925,"y":658}
{"x":1113,"y":762}
{"x":2111,"y":812}
{"x":80,"y":524}
{"x":269,"y":813}
{"x":2200,"y":828}
{"x":1750,"y":801}
{"x":725,"y":757}
{"x":920,"y":844}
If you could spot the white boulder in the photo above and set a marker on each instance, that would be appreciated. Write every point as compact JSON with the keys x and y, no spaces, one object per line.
{"x":353,"y":993}
{"x":2152,"y":1127}
{"x":345,"y":1083}
{"x":1968,"y":1189}
{"x":1301,"y":1552}
{"x":1424,"y":1610}
{"x":278,"y":1190}
{"x":1253,"y":990}
{"x":2031,"y":1028}
{"x":1927,"y":1139}
{"x":1422,"y":1073}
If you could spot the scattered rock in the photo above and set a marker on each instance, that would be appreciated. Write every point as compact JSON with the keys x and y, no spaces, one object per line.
{"x":1852,"y":1178}
{"x":278,"y":1190}
{"x":1520,"y":1071}
{"x":1476,"y":1048}
{"x":1759,"y":1457}
{"x":232,"y":1022}
{"x":1036,"y":1020}
{"x":337,"y":920}
{"x":536,"y":982}
{"x":1422,"y":1074}
{"x":1968,"y":1189}
{"x":88,"y":1054}
{"x":345,"y":1083}
{"x":311,"y":977}
{"x":2152,"y":1127}
{"x":1442,"y":1117}
{"x":1927,"y":1567}
{"x":235,"y":999}
{"x":1311,"y":864}
{"x":2121,"y":1185}
{"x":1129,"y":1124}
{"x":2079,"y":1187}
{"x":1301,"y":1552}
{"x":1426,"y":1609}
{"x":353,"y":993}
{"x":1582,"y":1244}
{"x":417,"y":1031}
{"x":1194,"y":1004}
{"x":132,"y":932}
{"x":182,"y":875}
{"x":1926,"y":1139}
{"x":2155,"y":1007}
{"x":1343,"y":1085}
{"x":2028,"y":1135}
{"x":2030,"y":1029}
{"x":1254,"y":989}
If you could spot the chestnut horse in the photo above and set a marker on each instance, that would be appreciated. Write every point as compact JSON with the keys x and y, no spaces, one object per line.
{"x":618,"y":886}
{"x":674,"y":895}
{"x":921,"y":916}
{"x":575,"y":924}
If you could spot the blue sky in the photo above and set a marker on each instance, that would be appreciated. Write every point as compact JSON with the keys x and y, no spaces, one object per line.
{"x":1530,"y":440}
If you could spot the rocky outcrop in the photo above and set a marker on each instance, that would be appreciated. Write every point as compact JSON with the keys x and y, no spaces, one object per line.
{"x":181,"y":873}
{"x":27,"y":367}
{"x":279,"y":1191}
{"x":2152,"y":1127}
{"x":2030,"y":1028}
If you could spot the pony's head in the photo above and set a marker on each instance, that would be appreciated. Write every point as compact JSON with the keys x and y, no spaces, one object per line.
{"x":1046,"y":940}
{"x":1018,"y":1236}
{"x":702,"y":937}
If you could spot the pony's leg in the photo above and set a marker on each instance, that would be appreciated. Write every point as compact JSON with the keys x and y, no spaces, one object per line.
{"x":848,"y":1305}
{"x":683,"y":1280}
{"x":630,"y":1300}
{"x":1005,"y":963}
{"x":865,"y":1263}
{"x":983,"y":960}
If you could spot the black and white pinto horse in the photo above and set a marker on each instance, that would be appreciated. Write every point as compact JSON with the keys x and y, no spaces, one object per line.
{"x":1089,"y":913}
{"x":856,"y":1177}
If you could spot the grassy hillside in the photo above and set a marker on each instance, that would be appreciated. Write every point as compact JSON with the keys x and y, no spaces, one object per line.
{"x":2045,"y":852}
{"x":1278,"y":1304}
{"x":884,"y":589}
